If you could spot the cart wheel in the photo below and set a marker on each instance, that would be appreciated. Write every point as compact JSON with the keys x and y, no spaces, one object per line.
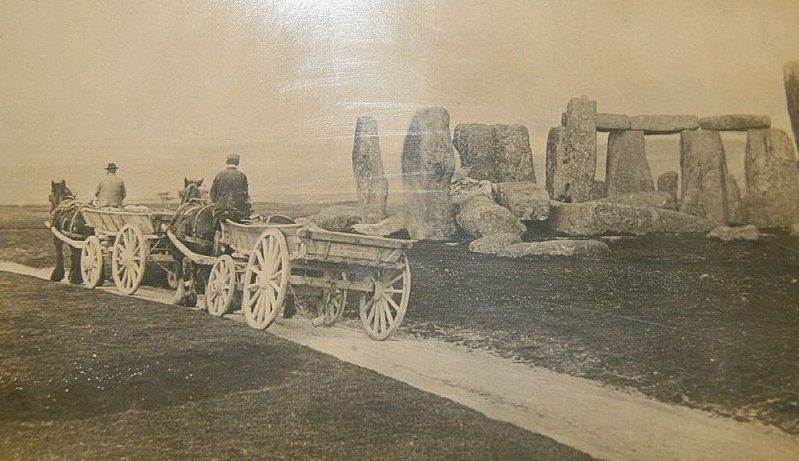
{"x":266,"y":279}
{"x":128,"y":259}
{"x":221,"y":286}
{"x":91,"y":262}
{"x":333,"y":300}
{"x":383,"y":309}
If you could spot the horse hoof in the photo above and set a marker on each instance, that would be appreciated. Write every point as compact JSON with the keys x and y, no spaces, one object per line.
{"x":56,"y":276}
{"x":191,"y":300}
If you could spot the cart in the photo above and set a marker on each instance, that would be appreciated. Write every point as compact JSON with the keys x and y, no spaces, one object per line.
{"x":266,"y":261}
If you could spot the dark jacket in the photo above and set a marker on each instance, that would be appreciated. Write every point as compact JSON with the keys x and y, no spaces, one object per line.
{"x":230,"y":191}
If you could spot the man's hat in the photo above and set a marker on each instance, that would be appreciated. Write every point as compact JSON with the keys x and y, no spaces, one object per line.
{"x":232,"y":158}
{"x":112,"y":167}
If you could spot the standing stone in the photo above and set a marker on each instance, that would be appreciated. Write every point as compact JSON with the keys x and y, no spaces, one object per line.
{"x":664,"y":124}
{"x":667,"y":182}
{"x":497,"y":153}
{"x":735,"y":122}
{"x":704,"y":175}
{"x":572,"y":169}
{"x":734,"y":201}
{"x":475,"y":145}
{"x":627,"y":170}
{"x":772,"y":179}
{"x":791,"y":74}
{"x":367,"y":165}
{"x":428,"y":163}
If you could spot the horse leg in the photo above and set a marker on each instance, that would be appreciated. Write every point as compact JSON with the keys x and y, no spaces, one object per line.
{"x":191,"y":291}
{"x":58,"y":270}
{"x":75,"y":276}
{"x":180,"y":290}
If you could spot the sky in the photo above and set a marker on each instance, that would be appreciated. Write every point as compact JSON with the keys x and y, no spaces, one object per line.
{"x":166,"y":88}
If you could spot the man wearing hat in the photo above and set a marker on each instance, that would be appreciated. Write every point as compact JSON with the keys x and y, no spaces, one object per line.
{"x":230,"y":193}
{"x":111,"y":189}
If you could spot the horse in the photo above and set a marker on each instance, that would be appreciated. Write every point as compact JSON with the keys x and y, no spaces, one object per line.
{"x":194,"y":226}
{"x":66,"y":217}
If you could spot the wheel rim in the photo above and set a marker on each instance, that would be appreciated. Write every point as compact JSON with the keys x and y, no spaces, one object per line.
{"x":383,"y":309}
{"x":221,"y":286}
{"x":91,"y":262}
{"x":266,"y":279}
{"x":333,"y":300}
{"x":128,"y":260}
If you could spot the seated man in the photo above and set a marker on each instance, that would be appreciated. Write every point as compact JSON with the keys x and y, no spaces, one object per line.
{"x":111,"y":189}
{"x":229,"y":192}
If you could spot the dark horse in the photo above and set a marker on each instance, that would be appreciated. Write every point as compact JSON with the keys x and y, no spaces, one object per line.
{"x":194,"y":227}
{"x":66,"y":217}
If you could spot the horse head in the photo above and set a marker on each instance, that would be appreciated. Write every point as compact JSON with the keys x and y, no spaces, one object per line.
{"x":59,"y":192}
{"x":191,"y":190}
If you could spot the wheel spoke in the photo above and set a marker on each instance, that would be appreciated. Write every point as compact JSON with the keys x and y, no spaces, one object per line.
{"x":395,"y":279}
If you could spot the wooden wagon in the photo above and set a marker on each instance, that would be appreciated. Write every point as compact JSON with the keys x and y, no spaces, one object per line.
{"x":266,"y":261}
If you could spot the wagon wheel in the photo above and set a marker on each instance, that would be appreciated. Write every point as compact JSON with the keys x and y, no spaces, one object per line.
{"x":128,"y":259}
{"x":221,"y":286}
{"x":382,"y":310}
{"x":333,"y":300}
{"x":91,"y":262}
{"x":266,"y":279}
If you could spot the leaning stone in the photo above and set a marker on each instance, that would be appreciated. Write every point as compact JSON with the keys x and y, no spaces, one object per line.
{"x":497,"y":153}
{"x":475,"y":145}
{"x":727,"y":234}
{"x":578,"y":166}
{"x":525,"y":200}
{"x":481,"y":216}
{"x":556,"y":248}
{"x":734,"y":208}
{"x":663,"y":124}
{"x":491,"y":244}
{"x":655,"y":199}
{"x":388,"y":226}
{"x":772,"y":179}
{"x":735,"y":122}
{"x":427,"y":166}
{"x":611,"y":122}
{"x":704,"y":173}
{"x":367,"y":165}
{"x":791,"y":74}
{"x":467,"y":188}
{"x":667,"y":182}
{"x":601,"y":218}
{"x":335,"y":218}
{"x":627,"y":169}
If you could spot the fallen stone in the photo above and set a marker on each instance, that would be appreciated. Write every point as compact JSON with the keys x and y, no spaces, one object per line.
{"x":735,"y":122}
{"x":791,"y":75}
{"x":704,"y":171}
{"x":626,"y":169}
{"x":496,"y":153}
{"x":600,"y":218}
{"x":556,"y":248}
{"x":578,"y":165}
{"x":655,"y":199}
{"x":481,"y":216}
{"x":427,"y":166}
{"x":772,"y":179}
{"x":734,"y":209}
{"x":491,"y":244}
{"x":612,"y":122}
{"x":386,"y":227}
{"x":467,"y":188}
{"x":336,"y":218}
{"x":663,"y":124}
{"x":367,"y":165}
{"x":728,"y":234}
{"x":525,"y":200}
{"x":667,"y":182}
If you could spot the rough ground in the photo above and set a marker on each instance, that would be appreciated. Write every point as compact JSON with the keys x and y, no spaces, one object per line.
{"x":90,"y":375}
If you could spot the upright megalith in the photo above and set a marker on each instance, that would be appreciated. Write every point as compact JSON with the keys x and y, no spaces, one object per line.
{"x":668,"y":182}
{"x":627,"y":170}
{"x":772,"y":179}
{"x":791,"y":74}
{"x":703,"y":166}
{"x":428,"y":163}
{"x":367,"y":165}
{"x":496,"y":153}
{"x":571,"y":153}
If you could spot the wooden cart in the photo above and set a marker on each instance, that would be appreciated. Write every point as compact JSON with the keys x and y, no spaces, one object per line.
{"x":268,"y":260}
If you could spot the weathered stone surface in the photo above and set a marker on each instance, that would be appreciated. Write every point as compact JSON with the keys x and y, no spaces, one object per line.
{"x":467,"y":188}
{"x":367,"y":165}
{"x":791,"y":74}
{"x":611,"y":122}
{"x":388,"y":226}
{"x":335,"y":218}
{"x":626,"y":169}
{"x":728,"y":234}
{"x":772,"y":179}
{"x":663,"y":124}
{"x":735,"y":122}
{"x":704,"y":171}
{"x":481,"y":216}
{"x":556,"y":248}
{"x":427,"y":166}
{"x":734,"y":210}
{"x":491,"y":244}
{"x":778,"y":208}
{"x":655,"y":199}
{"x":599,"y":218}
{"x":795,"y":230}
{"x":496,"y":153}
{"x":556,"y":180}
{"x":667,"y":182}
{"x":578,"y":165}
{"x":525,"y":200}
{"x":599,"y":191}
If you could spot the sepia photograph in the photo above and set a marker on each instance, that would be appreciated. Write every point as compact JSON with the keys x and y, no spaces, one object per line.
{"x":399,"y":230}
